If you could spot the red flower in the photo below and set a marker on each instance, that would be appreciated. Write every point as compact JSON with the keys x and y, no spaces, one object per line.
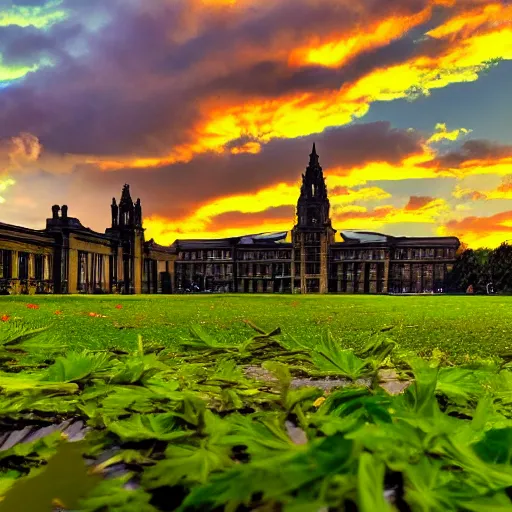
{"x":32,"y":306}
{"x":5,"y":318}
{"x":119,"y":306}
{"x":93,"y":314}
{"x":58,"y":312}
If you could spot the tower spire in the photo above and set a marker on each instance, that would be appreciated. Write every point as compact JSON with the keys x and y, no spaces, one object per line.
{"x":313,"y":203}
{"x":313,"y":157}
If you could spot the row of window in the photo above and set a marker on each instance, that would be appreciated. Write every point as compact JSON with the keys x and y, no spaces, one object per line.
{"x":92,"y":272}
{"x":365,"y":254}
{"x":215,"y":254}
{"x":313,"y":253}
{"x":423,"y":253}
{"x":223,"y":271}
{"x":42,"y":268}
{"x":265,"y":255}
{"x":398,"y":254}
{"x":242,"y":255}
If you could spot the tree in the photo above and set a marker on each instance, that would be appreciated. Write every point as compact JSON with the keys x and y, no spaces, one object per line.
{"x":500,"y":268}
{"x":471,"y":268}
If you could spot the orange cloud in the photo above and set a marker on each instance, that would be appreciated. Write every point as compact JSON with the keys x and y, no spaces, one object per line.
{"x":298,"y":114}
{"x":225,"y":216}
{"x":465,"y":25}
{"x":418,"y":202}
{"x":480,"y":231}
{"x":338,"y":52}
{"x":417,"y":210}
{"x":442,"y":133}
{"x":503,"y":191}
{"x":473,"y":158}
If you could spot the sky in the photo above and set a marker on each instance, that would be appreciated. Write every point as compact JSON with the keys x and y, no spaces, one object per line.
{"x":209,"y":109}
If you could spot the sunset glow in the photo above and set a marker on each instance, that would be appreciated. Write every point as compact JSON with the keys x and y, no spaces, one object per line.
{"x":208,"y":108}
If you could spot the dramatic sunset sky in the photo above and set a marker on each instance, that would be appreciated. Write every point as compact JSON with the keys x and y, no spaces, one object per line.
{"x":209,"y":108}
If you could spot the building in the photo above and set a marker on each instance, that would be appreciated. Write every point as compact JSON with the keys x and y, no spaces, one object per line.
{"x":66,"y":257}
{"x":364,"y":262}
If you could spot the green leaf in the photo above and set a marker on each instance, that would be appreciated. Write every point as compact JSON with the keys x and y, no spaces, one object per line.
{"x":370,"y":484}
{"x":188,"y":464}
{"x":142,"y":427}
{"x":79,"y":366}
{"x":112,"y":496}
{"x":327,"y":356}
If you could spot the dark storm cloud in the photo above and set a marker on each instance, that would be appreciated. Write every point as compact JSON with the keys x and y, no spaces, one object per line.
{"x":474,"y":149}
{"x":291,"y":21}
{"x":175,"y":191}
{"x":273,"y":78}
{"x":137,"y":91}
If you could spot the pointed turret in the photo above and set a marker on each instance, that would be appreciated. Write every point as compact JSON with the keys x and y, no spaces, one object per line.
{"x":313,"y":181}
{"x":126,"y":198}
{"x":313,"y":157}
{"x":126,"y":208}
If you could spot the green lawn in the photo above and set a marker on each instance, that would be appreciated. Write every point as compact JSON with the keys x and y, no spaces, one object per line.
{"x":200,"y":427}
{"x":457,"y":325}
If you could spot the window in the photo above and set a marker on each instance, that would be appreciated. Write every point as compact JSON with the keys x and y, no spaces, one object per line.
{"x":401,"y":254}
{"x":5,"y":264}
{"x":82,"y":270}
{"x":429,"y":253}
{"x":39,"y":267}
{"x":23,"y":265}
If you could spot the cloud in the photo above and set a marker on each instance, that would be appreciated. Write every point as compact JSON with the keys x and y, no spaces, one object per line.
{"x":164,"y":98}
{"x":417,"y":210}
{"x":418,"y":202}
{"x":31,"y":13}
{"x":18,"y":152}
{"x":483,"y":231}
{"x":475,"y":156}
{"x":442,"y":133}
{"x":208,"y":108}
{"x":503,"y":191}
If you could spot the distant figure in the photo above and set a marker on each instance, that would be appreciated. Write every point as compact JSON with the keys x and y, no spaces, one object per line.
{"x":470,"y":289}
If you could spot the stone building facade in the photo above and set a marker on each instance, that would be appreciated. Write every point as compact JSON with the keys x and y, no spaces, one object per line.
{"x":364,"y":262}
{"x":67,"y":257}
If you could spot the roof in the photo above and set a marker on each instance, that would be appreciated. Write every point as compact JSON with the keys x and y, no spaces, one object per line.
{"x":13,"y":227}
{"x":365,"y":237}
{"x":370,"y":237}
{"x":259,"y":238}
{"x":152,"y":245}
{"x":264,"y":238}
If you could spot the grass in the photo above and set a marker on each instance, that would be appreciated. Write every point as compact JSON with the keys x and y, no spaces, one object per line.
{"x":460,"y":326}
{"x":191,"y":428}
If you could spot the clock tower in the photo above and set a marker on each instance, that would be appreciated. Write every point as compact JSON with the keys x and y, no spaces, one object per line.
{"x":313,"y":233}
